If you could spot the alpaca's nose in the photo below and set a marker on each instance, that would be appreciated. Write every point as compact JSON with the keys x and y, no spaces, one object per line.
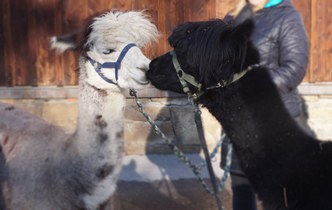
{"x":154,"y":64}
{"x":144,"y":64}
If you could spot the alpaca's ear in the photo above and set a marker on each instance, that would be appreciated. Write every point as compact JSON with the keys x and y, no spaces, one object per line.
{"x":243,"y":30}
{"x":65,"y":42}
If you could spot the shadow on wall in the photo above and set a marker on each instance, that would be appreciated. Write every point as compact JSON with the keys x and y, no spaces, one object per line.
{"x":153,"y":182}
{"x":176,"y":120}
{"x":182,"y":131}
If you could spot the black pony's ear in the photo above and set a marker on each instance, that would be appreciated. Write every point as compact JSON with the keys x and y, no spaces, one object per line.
{"x":243,"y":22}
{"x":243,"y":30}
{"x":240,"y":39}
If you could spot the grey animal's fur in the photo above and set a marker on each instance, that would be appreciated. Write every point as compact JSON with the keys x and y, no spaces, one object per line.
{"x":43,"y":167}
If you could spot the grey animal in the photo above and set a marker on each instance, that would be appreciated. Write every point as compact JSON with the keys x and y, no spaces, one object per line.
{"x":42,"y":167}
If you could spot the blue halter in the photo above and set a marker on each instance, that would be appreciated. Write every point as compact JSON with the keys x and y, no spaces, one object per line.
{"x":110,"y":65}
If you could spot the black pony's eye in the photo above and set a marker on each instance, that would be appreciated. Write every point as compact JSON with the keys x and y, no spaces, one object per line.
{"x":108,"y":51}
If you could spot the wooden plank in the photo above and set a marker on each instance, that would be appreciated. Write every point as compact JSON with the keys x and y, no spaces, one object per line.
{"x":304,"y":7}
{"x":39,"y":31}
{"x":161,"y":21}
{"x":33,"y":36}
{"x":8,"y":49}
{"x":20,"y":53}
{"x":172,"y":16}
{"x":321,"y":41}
{"x":73,"y":20}
{"x":152,"y":9}
{"x":195,"y":10}
{"x":98,"y":6}
{"x":223,"y":7}
{"x":25,"y":26}
{"x":58,"y":30}
{"x":123,"y":5}
{"x":2,"y":64}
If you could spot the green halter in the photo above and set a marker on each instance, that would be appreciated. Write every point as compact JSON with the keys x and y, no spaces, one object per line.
{"x":186,"y":79}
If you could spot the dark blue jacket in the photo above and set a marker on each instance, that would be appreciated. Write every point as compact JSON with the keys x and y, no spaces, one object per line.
{"x":281,"y":39}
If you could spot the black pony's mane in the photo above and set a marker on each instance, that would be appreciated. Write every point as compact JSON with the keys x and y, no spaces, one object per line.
{"x":213,"y":48}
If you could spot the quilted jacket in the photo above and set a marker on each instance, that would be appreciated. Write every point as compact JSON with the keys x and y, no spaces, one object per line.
{"x":282,"y":41}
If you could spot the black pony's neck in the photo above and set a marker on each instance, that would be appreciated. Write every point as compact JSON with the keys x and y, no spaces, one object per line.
{"x":254,"y":117}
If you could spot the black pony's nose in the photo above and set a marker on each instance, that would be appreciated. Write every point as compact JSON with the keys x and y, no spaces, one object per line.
{"x":154,"y":64}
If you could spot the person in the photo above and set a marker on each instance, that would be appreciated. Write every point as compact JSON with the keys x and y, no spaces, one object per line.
{"x":282,"y":42}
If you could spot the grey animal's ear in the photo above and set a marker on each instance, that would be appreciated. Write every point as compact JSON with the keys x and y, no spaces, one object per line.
{"x":65,"y":42}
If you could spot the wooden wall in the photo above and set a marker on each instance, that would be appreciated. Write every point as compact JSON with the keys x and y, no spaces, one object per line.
{"x":26,"y":25}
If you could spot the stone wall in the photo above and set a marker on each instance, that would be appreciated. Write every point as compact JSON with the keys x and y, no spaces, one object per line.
{"x":319,"y":108}
{"x":174,"y":116}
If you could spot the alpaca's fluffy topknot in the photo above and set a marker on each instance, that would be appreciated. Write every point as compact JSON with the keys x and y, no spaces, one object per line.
{"x":117,"y":26}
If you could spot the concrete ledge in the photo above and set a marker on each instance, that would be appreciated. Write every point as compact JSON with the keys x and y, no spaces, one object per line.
{"x":53,"y":92}
{"x":316,"y":88}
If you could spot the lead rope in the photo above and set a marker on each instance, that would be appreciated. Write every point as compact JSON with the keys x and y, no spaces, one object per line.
{"x":199,"y":125}
{"x":177,"y":152}
{"x":195,"y":168}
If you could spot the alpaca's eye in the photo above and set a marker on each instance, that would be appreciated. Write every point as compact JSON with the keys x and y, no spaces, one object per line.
{"x":108,"y":51}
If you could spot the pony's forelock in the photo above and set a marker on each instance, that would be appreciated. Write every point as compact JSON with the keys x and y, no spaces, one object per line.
{"x":214,"y":48}
{"x":202,"y":42}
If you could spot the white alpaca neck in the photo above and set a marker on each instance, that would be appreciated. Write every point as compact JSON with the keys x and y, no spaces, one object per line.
{"x":100,"y":116}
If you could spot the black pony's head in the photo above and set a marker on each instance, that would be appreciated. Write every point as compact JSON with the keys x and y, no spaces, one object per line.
{"x":211,"y":51}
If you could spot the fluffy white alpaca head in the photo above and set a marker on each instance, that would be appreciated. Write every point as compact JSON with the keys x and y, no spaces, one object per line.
{"x":107,"y":36}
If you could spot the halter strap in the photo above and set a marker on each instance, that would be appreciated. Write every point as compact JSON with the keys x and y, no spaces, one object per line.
{"x":187,"y":78}
{"x":236,"y":77}
{"x":110,"y":65}
{"x":183,"y":76}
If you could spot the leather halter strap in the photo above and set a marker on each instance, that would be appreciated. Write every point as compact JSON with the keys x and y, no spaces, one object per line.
{"x":186,"y":79}
{"x":110,"y":65}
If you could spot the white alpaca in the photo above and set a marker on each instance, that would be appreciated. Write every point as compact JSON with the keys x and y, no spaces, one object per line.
{"x":44,"y":168}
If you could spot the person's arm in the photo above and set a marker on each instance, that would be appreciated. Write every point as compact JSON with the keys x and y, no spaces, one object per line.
{"x":239,"y":14}
{"x":293,"y":54}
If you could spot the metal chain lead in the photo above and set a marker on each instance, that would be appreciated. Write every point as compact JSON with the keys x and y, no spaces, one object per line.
{"x":177,"y":152}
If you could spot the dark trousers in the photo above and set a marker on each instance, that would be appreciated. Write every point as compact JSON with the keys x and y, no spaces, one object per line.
{"x":243,"y":196}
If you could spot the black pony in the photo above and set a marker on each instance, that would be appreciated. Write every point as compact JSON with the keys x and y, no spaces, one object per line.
{"x":287,"y":168}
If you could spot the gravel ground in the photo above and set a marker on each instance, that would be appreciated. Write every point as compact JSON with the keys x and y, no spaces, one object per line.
{"x":162,"y":182}
{"x":165,"y":195}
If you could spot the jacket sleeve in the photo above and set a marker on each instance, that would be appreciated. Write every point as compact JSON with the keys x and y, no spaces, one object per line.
{"x":293,"y":53}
